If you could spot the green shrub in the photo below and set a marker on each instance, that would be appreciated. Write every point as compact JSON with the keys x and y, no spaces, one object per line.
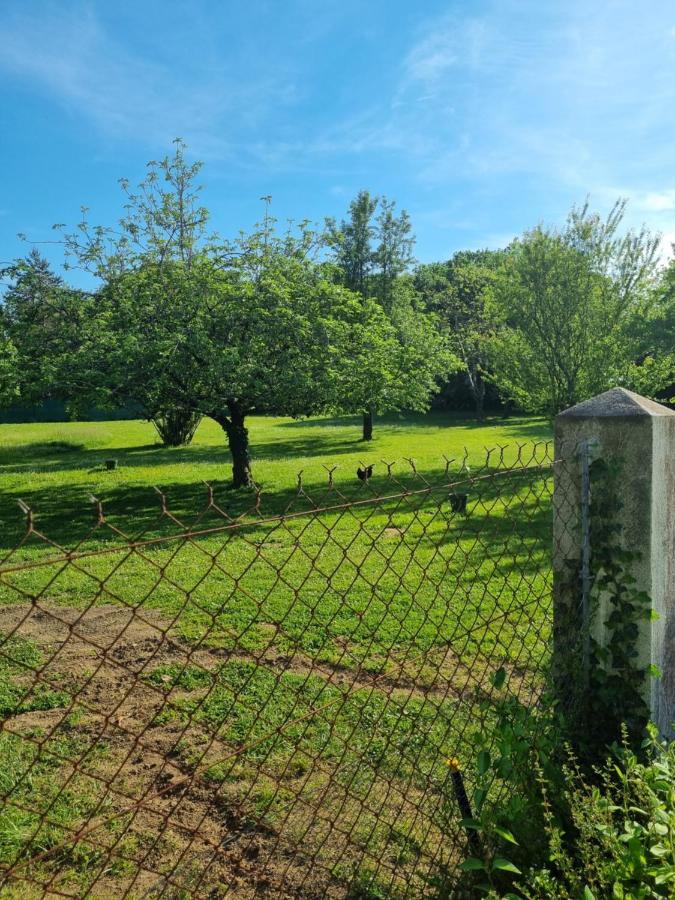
{"x":549,"y":828}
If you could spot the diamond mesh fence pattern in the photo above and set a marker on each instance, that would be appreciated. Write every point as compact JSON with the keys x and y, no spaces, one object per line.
{"x":261,"y":701}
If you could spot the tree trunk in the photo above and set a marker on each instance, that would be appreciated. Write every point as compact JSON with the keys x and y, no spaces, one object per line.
{"x":237,"y":439}
{"x":368,"y":425}
{"x":480,"y":404}
{"x":480,"y":398}
{"x":507,"y":408}
{"x":477,"y":387}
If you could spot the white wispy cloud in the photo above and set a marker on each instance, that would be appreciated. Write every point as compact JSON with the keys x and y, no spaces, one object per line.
{"x":657,"y":201}
{"x":570,"y":97}
{"x":451,"y":42}
{"x":431,"y":58}
{"x":460,"y":107}
{"x":66,"y":51}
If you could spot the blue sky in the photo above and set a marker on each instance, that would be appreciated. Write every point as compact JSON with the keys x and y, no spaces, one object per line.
{"x":480,"y":118}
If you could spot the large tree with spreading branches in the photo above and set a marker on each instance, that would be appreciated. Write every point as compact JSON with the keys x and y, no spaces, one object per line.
{"x":190,"y":323}
{"x":565,"y":308}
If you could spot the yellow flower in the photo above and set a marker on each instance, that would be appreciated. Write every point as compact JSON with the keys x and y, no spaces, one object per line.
{"x":453,"y":763}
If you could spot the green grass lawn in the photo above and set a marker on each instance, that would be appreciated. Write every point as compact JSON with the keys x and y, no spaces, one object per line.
{"x":392,"y":615}
{"x":55,"y":467}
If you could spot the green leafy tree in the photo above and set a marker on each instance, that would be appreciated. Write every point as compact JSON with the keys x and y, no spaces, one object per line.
{"x":659,"y":323}
{"x":163,"y":228}
{"x":396,"y":366}
{"x":224,"y":329}
{"x":457,"y":292}
{"x":393,"y":254}
{"x":373,"y":247}
{"x":652,"y":330}
{"x":8,"y":369}
{"x":564,"y":304}
{"x":372,"y":250}
{"x":263,"y":334}
{"x":352,"y":243}
{"x":42,"y":324}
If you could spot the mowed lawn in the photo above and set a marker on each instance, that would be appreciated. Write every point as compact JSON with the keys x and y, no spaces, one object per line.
{"x":392,"y":615}
{"x":56,"y":466}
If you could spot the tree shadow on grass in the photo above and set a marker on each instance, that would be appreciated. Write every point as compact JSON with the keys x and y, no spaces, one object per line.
{"x":433,"y":419}
{"x":63,"y":455}
{"x":65,"y":515}
{"x":517,"y":425}
{"x":48,"y":456}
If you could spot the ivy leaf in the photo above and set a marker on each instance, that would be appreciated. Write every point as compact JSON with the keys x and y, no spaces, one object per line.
{"x":479,"y":798}
{"x":472,"y":865}
{"x":506,"y":835}
{"x":483,"y":762}
{"x":499,"y":678}
{"x":588,"y":893}
{"x":505,"y":865}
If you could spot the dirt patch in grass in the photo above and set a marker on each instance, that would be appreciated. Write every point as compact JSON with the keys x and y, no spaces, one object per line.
{"x":100,"y":656}
{"x":105,"y":653}
{"x":164,"y":828}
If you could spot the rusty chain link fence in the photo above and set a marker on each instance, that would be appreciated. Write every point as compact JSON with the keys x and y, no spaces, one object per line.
{"x":261,"y":699}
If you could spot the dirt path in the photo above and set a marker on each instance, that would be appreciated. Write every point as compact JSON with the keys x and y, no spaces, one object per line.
{"x":191,"y":834}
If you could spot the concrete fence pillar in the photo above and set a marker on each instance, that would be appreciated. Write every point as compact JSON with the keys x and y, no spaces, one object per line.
{"x":637,"y":437}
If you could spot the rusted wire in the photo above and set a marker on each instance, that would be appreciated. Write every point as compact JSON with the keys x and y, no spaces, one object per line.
{"x":264,"y":704}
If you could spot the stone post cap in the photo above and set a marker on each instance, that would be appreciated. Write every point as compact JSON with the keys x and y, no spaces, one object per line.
{"x":615,"y":403}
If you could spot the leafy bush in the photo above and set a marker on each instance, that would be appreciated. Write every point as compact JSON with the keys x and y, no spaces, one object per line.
{"x":176,"y":427}
{"x":557,"y":830}
{"x":618,"y":837}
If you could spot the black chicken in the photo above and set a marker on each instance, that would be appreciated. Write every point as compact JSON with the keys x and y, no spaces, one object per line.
{"x":364,"y":474}
{"x":458,"y":502}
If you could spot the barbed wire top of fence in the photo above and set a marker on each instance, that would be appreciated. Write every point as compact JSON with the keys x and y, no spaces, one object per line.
{"x":393,"y":480}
